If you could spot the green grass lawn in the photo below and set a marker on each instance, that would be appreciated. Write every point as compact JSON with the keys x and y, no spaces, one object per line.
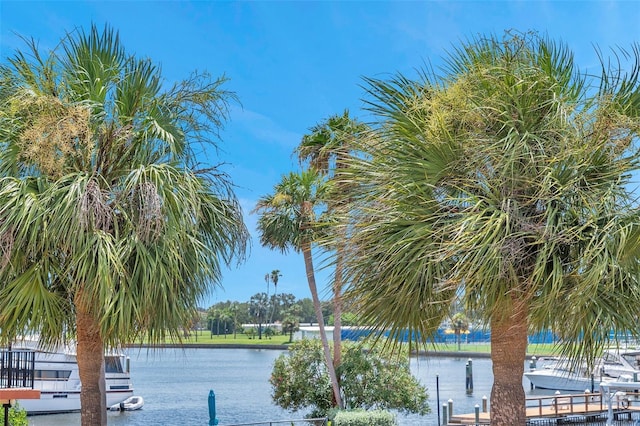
{"x":205,"y":337}
{"x":533,"y":349}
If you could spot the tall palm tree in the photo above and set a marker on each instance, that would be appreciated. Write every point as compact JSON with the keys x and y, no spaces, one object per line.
{"x":286,"y":222}
{"x":109,"y":230}
{"x":258,"y":305}
{"x":212,"y":315}
{"x":460,"y":324}
{"x":503,"y":181}
{"x":226,"y":315}
{"x":327,"y":149}
{"x":274,"y":276}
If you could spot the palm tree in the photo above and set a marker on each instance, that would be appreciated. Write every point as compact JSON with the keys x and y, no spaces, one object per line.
{"x":327,"y":149}
{"x":234,"y":309}
{"x":287,"y":222}
{"x":258,"y":309}
{"x":212,"y":315}
{"x":275,"y":276}
{"x":109,"y":230}
{"x":460,"y":324}
{"x":504,"y":181}
{"x":225,"y":316}
{"x":291,"y":320}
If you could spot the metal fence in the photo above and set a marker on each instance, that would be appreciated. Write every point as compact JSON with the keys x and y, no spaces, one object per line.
{"x":581,"y":421}
{"x":321,"y":421}
{"x":17,"y":369}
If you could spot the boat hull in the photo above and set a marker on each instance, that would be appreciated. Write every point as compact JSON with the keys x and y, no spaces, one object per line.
{"x":547,"y":380}
{"x":129,"y":404}
{"x":65,"y":402}
{"x":563,"y":375}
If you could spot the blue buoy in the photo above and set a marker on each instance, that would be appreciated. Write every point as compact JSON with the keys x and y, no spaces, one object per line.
{"x":212,"y":409}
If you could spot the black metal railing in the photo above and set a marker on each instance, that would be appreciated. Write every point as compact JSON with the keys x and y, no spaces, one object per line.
{"x":17,"y":369}
{"x":321,"y":421}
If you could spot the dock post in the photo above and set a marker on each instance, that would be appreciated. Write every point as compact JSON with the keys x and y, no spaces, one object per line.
{"x":477,"y":412}
{"x":438,"y":395}
{"x":445,"y":418}
{"x":532,"y":367}
{"x":450,"y":406}
{"x":556,"y":401}
{"x":587,"y":398}
{"x":469,"y":381}
{"x":484,"y":404}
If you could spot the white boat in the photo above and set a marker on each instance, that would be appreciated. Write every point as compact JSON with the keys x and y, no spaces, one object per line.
{"x":56,"y":376}
{"x":563,"y":375}
{"x":129,"y":404}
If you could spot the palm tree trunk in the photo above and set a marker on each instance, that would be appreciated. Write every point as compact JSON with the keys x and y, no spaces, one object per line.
{"x":90,"y":356}
{"x":508,"y":351}
{"x":337,"y":308}
{"x":308,"y":264}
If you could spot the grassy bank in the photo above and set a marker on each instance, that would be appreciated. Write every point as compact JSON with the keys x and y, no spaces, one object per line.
{"x":204,"y":339}
{"x":533,"y":349}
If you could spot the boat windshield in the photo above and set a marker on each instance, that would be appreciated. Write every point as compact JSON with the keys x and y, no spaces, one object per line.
{"x":633,"y":358}
{"x":611,"y":359}
{"x":51,"y":374}
{"x":112,"y":364}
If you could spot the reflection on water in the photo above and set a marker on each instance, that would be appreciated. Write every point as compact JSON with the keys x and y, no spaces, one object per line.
{"x":175,"y":385}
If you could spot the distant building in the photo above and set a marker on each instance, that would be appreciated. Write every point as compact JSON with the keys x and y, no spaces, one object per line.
{"x":275,"y":326}
{"x":313,"y":332}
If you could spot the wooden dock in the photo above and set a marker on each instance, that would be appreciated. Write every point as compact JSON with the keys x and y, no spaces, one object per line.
{"x":589,"y":406}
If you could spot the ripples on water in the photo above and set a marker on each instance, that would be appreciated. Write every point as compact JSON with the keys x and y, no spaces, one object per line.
{"x":175,"y":385}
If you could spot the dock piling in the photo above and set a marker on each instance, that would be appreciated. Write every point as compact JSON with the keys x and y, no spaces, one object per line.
{"x":438,"y":396}
{"x":445,"y":418}
{"x":532,"y":366}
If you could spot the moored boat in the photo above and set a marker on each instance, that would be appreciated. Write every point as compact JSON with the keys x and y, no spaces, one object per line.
{"x":56,"y":376}
{"x":563,"y":375}
{"x":130,"y":404}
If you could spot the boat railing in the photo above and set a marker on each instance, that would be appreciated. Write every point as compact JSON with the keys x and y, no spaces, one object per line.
{"x":321,"y":421}
{"x":17,"y":368}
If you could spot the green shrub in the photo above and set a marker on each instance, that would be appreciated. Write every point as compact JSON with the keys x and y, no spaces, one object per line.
{"x":17,"y":416}
{"x":364,"y":418}
{"x":369,"y":380}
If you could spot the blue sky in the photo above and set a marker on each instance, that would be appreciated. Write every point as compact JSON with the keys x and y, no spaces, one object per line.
{"x":294,"y":63}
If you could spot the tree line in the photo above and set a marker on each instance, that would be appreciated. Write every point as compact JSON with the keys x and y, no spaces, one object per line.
{"x":283,"y":308}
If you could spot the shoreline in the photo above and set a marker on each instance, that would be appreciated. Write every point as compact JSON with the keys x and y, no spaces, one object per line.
{"x":425,"y":353}
{"x":206,"y":346}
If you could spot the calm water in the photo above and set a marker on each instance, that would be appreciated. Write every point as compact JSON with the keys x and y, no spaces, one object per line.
{"x":175,"y":385}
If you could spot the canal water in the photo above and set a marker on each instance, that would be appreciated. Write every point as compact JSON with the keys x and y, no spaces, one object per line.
{"x":175,"y":385}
